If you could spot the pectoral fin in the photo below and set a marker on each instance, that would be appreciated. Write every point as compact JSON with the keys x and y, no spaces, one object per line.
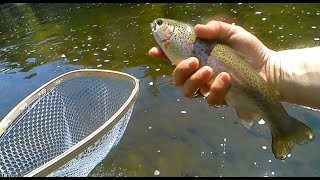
{"x":246,"y":116}
{"x":246,"y":108}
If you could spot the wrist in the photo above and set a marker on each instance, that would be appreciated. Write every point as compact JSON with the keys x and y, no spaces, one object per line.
{"x":279,"y":75}
{"x":294,"y":74}
{"x":272,"y":68}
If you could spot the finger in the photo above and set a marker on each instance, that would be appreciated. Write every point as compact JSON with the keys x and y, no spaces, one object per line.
{"x":184,"y":70}
{"x":156,"y":52}
{"x":217,"y":30}
{"x":196,"y":80}
{"x":218,"y":89}
{"x":234,"y":36}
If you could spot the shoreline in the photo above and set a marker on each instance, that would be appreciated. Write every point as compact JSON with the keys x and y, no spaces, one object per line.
{"x":4,"y":6}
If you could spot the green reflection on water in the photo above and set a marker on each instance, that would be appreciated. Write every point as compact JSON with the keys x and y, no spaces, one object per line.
{"x":117,"y":36}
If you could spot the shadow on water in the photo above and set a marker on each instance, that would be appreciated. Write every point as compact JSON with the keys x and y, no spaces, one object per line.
{"x":168,"y":133}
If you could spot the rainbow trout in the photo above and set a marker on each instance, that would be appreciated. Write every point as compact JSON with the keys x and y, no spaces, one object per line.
{"x":249,"y":93}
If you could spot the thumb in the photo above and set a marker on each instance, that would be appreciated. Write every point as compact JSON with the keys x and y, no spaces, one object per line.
{"x":216,"y":30}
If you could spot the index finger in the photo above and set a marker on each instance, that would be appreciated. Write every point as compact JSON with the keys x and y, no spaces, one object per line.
{"x":157,"y":53}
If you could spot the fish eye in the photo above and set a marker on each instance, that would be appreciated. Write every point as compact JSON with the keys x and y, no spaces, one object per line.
{"x":159,"y":22}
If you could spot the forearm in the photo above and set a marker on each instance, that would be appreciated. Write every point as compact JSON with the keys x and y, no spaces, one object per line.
{"x":296,"y":75}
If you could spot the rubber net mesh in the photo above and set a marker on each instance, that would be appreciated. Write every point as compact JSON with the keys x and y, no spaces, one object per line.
{"x":61,"y":118}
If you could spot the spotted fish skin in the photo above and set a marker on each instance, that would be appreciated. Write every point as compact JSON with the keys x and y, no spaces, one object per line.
{"x":249,"y":93}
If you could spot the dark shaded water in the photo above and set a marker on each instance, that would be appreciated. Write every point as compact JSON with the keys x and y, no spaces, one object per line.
{"x":41,"y":41}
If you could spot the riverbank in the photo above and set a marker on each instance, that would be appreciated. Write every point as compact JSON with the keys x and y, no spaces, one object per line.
{"x":10,"y":5}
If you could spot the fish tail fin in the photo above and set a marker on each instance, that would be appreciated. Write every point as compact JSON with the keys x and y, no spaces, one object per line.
{"x":284,"y":140}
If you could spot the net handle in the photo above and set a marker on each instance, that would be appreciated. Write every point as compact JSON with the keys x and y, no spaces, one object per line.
{"x":66,"y":156}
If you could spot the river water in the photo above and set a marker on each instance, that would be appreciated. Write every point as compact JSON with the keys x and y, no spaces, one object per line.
{"x":168,"y":134}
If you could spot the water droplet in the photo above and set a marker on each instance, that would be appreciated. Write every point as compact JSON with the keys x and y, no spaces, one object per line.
{"x":150,"y":127}
{"x":107,"y":60}
{"x":183,"y":112}
{"x":89,"y":37}
{"x":42,"y":92}
{"x":269,"y":161}
{"x":289,"y":155}
{"x":158,"y":69}
{"x":263,"y":19}
{"x":264,"y":147}
{"x":99,"y":65}
{"x":272,"y":173}
{"x":23,"y":107}
{"x":258,"y":12}
{"x":150,"y":83}
{"x":63,"y":56}
{"x":316,"y":39}
{"x":75,"y":60}
{"x":261,"y":122}
{"x":59,"y":81}
{"x":313,"y":27}
{"x":105,"y":49}
{"x":156,"y":172}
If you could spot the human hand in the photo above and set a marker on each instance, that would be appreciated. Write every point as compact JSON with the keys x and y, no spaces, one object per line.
{"x":189,"y":75}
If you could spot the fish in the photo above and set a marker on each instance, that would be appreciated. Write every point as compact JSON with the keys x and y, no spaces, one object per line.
{"x":250,"y":95}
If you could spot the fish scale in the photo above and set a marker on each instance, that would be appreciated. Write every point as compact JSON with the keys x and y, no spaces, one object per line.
{"x":248,"y":93}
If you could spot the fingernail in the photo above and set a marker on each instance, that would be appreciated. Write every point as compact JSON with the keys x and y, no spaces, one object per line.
{"x":192,"y":63}
{"x":205,"y":72}
{"x":223,"y":78}
{"x":200,"y":25}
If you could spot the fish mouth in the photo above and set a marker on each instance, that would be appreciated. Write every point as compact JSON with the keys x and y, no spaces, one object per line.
{"x":153,"y":26}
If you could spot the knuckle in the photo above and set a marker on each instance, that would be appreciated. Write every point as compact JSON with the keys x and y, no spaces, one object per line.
{"x":216,"y":90}
{"x":178,"y":83}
